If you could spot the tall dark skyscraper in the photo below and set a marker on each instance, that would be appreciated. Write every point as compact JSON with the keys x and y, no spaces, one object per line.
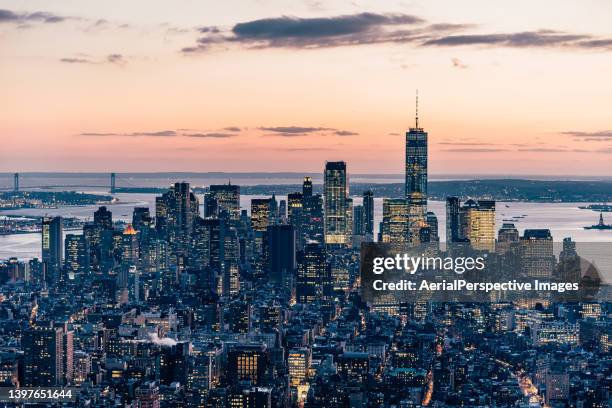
{"x":53,"y":246}
{"x":336,"y":194}
{"x":103,"y":218}
{"x":453,"y":224}
{"x":281,"y":252}
{"x":307,"y":187}
{"x":416,"y":176}
{"x":368,"y":213}
{"x":312,"y":213}
{"x":314,"y":277}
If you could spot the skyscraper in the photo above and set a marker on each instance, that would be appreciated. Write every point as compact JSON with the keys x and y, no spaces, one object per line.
{"x":47,"y":355}
{"x":394,"y":227}
{"x":481,"y":225}
{"x":175,"y":211}
{"x":307,"y":187}
{"x":312,"y":213}
{"x":76,"y":254}
{"x":336,"y":194}
{"x":281,"y":253}
{"x":537,"y":253}
{"x":52,"y":247}
{"x":506,"y":236}
{"x":453,"y":226}
{"x":261,"y":214}
{"x":432,"y":224}
{"x":368,"y":210}
{"x":225,"y":196}
{"x":313,"y":279}
{"x":103,"y":218}
{"x":416,"y":176}
{"x":247,"y":363}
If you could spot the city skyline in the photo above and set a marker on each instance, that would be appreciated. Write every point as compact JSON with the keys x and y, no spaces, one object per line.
{"x":274,"y":87}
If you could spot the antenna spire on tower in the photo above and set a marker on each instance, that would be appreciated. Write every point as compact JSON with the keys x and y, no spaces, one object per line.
{"x":416,"y":118}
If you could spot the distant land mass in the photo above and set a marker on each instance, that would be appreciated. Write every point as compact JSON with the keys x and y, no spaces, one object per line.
{"x":495,"y":189}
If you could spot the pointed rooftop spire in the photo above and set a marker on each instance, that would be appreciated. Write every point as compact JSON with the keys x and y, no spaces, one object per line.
{"x":416,"y":118}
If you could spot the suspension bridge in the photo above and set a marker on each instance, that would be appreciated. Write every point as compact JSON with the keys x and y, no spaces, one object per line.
{"x":19,"y":185}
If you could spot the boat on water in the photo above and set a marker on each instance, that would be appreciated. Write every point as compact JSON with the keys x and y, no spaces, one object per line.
{"x":597,"y":207}
{"x":600,"y":225}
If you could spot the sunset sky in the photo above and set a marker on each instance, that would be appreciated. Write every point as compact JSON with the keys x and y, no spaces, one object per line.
{"x":283,"y":85}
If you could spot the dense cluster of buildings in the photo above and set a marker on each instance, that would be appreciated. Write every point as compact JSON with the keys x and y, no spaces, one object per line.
{"x":201,"y":303}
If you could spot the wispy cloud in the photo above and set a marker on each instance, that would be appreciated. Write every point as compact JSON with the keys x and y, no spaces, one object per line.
{"x":76,"y":61}
{"x":298,"y":32}
{"x":211,"y":135}
{"x":525,"y":39}
{"x":182,"y":132}
{"x":375,"y":28}
{"x":306,"y":149}
{"x":8,"y":16}
{"x":115,"y":59}
{"x":476,"y":150}
{"x":465,"y":143}
{"x":590,"y":136}
{"x":295,"y":131}
{"x":161,"y":133}
{"x":232,"y":129}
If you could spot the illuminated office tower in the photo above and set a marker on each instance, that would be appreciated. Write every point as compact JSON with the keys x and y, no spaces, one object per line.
{"x":480,"y":220}
{"x":207,"y":251}
{"x":247,"y":363}
{"x":313,"y":278}
{"x":307,"y":187}
{"x":537,"y":253}
{"x":298,"y":362}
{"x":239,"y":316}
{"x":416,"y":176}
{"x":175,"y":211}
{"x":230,"y":269}
{"x":215,"y":255}
{"x":453,"y":223}
{"x":394,"y":227}
{"x":295,"y":217}
{"x":76,"y":251}
{"x":349,"y":221}
{"x":312,"y":213}
{"x":261,"y":214}
{"x":336,"y":205}
{"x":48,"y":354}
{"x":129,"y":245}
{"x":52,"y":247}
{"x":506,"y":237}
{"x":368,"y":214}
{"x":224,"y":196}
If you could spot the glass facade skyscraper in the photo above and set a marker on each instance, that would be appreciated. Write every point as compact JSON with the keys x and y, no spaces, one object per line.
{"x":336,"y":205}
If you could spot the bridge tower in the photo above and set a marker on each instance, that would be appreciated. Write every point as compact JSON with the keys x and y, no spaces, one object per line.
{"x":112,"y":186}
{"x":16,"y":183}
